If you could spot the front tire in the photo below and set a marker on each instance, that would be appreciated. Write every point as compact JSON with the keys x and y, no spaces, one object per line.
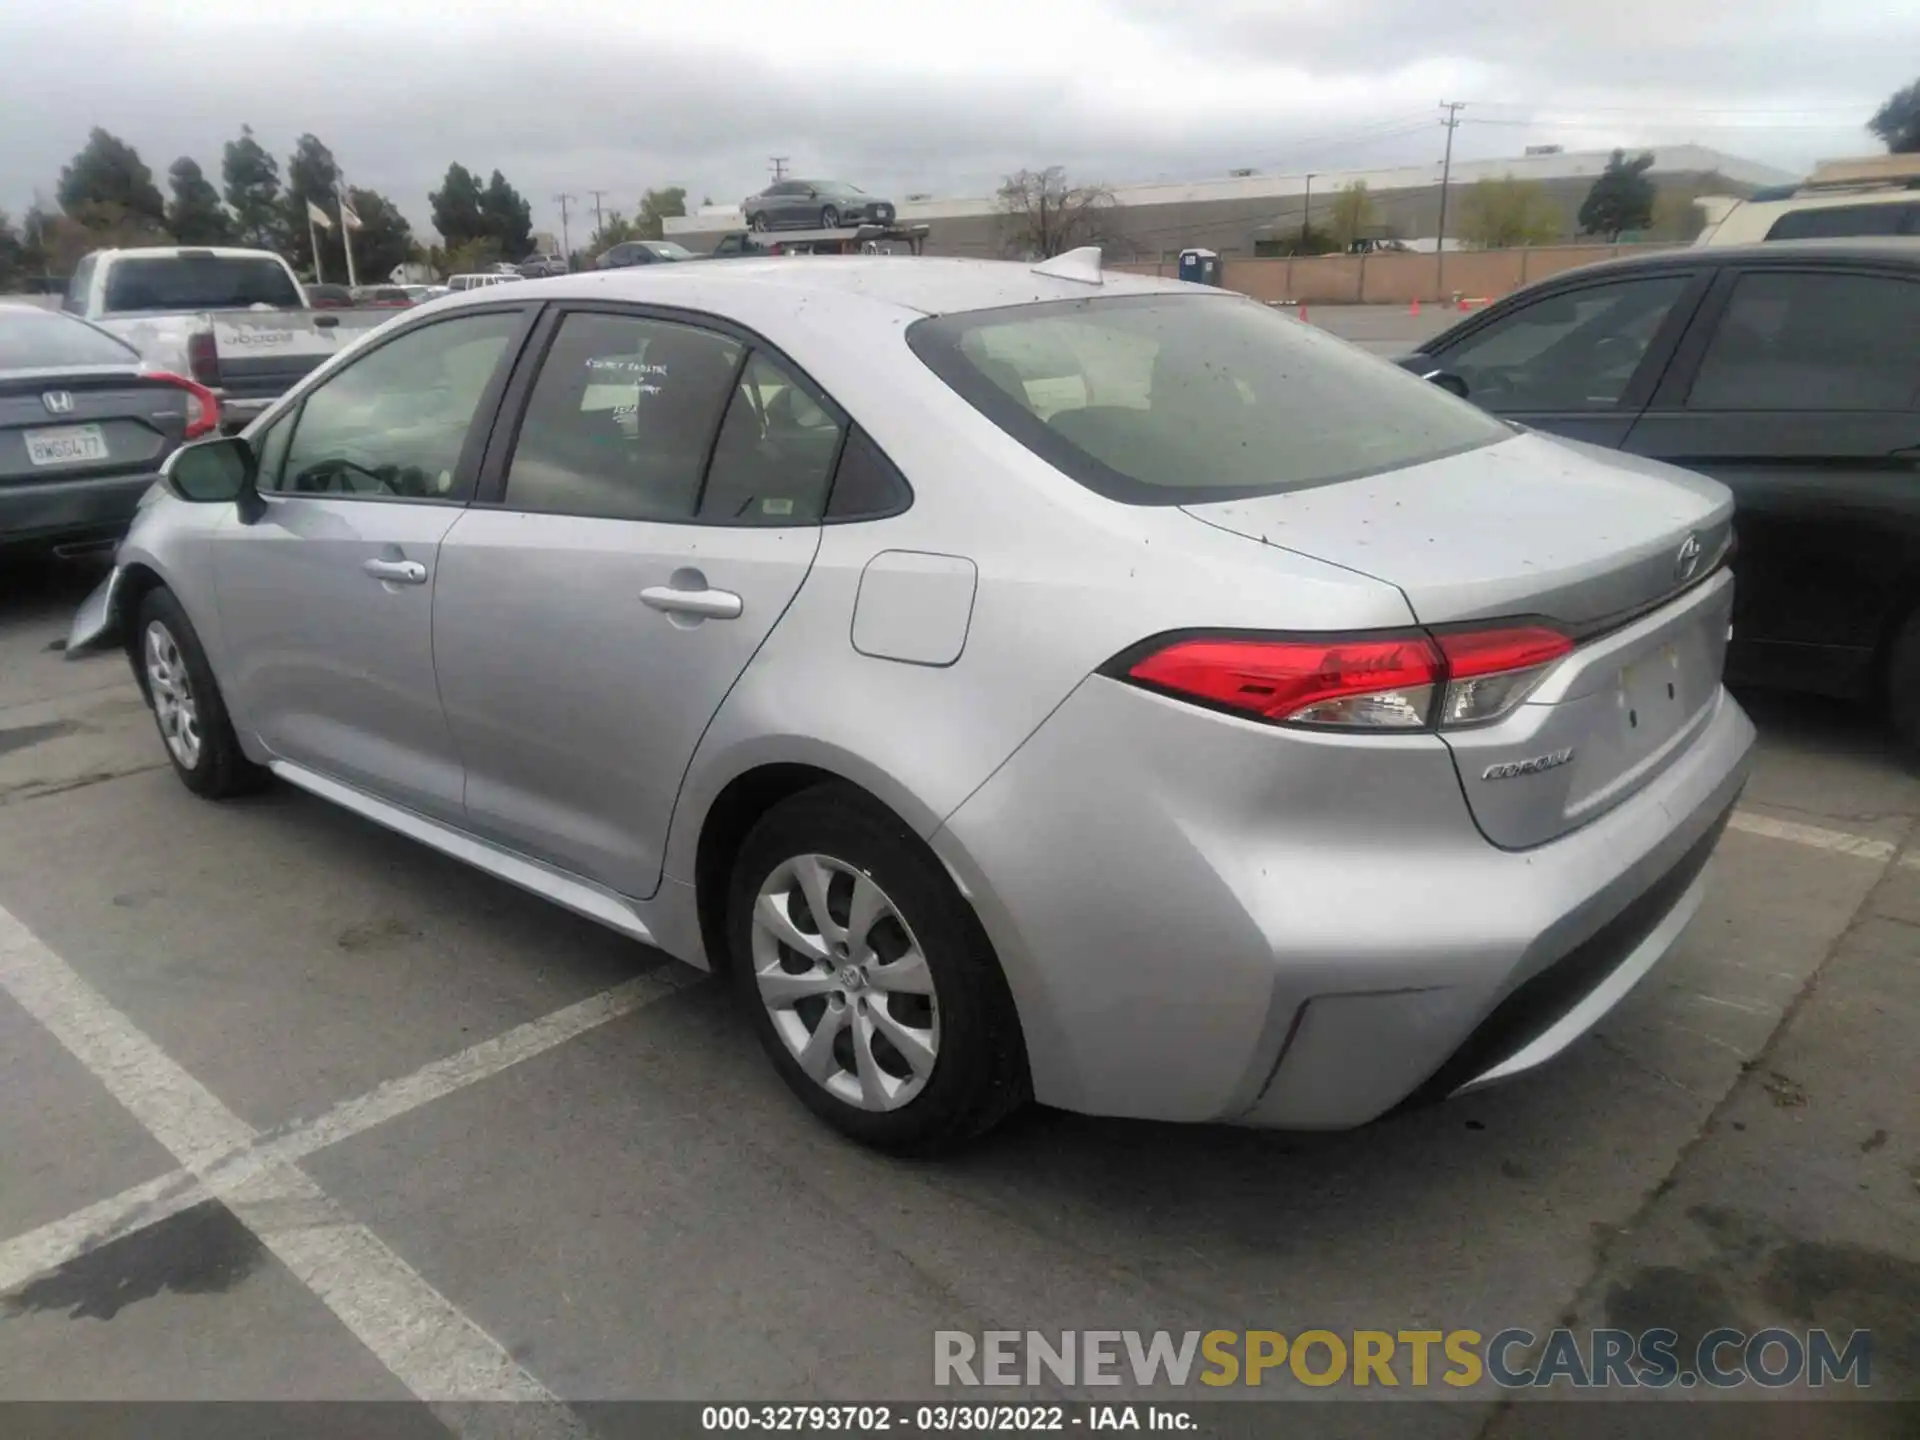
{"x":868,"y":977}
{"x":187,"y":708}
{"x":829,"y":218}
{"x":758,"y":222}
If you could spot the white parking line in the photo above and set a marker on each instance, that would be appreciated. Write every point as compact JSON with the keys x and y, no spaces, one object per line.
{"x":55,"y":1243}
{"x":434,"y":1349}
{"x":1813,"y":836}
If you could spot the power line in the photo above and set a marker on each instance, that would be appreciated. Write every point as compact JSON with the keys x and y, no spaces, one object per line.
{"x":566,"y":240}
{"x":1452,"y":123}
{"x":778,"y":164}
{"x":598,"y":224}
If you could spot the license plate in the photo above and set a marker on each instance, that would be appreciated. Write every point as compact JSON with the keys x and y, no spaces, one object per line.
{"x":69,"y":445}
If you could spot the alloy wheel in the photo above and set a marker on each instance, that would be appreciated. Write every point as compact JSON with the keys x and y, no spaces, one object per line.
{"x":845,"y":982}
{"x":829,"y":218}
{"x":172,"y":690}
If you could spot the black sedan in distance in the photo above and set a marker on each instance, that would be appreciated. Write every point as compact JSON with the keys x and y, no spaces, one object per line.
{"x":1788,"y":370}
{"x":84,"y":429}
{"x":814,"y":205}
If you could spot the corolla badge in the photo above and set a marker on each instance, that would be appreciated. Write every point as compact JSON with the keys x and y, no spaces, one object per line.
{"x":1688,"y":559}
{"x":1507,"y":770}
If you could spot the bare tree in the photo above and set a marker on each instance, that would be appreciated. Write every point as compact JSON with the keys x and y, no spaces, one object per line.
{"x":1042,"y":215}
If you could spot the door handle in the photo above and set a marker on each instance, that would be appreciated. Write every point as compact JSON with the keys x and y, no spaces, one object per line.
{"x":708,"y":604}
{"x":397,"y":572}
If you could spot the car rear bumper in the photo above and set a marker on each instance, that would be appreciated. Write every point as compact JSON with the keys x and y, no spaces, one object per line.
{"x":70,"y":511}
{"x":1300,"y":930}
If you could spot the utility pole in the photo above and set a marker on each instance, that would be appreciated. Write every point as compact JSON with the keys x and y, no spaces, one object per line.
{"x":598,"y":224}
{"x":779,"y":167}
{"x":566,"y":242}
{"x":1306,"y":211}
{"x":1452,"y":123}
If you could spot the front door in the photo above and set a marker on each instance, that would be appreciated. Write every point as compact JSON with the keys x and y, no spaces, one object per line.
{"x":1578,"y":361}
{"x":591,"y":617}
{"x":1800,"y":390}
{"x":326,"y":600}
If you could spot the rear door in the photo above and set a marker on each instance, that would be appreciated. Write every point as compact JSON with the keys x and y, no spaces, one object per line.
{"x":1579,"y":360}
{"x":1798,"y":389}
{"x":327,"y":598}
{"x":642,"y":527}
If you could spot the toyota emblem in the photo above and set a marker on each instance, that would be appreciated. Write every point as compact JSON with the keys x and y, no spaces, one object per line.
{"x":58,"y":402}
{"x":1688,"y":559}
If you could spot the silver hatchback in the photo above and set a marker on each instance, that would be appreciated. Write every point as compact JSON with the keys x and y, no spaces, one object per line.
{"x":1021,"y":682}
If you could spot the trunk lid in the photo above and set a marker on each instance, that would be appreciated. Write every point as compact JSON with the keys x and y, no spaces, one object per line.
{"x":97,"y":424}
{"x":1617,"y":551}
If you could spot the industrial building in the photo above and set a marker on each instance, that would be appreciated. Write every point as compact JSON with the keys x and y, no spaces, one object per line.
{"x":1245,"y":215}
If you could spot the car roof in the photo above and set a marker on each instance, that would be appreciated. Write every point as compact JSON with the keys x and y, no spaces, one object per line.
{"x":1687,"y":257}
{"x":174,"y":252}
{"x":923,"y":286}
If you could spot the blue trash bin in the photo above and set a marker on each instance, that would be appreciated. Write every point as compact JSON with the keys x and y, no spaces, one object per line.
{"x":1200,"y":267}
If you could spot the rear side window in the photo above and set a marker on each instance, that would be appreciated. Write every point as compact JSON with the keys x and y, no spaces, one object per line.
{"x":199,"y":282}
{"x":31,"y":339}
{"x":1801,"y":340}
{"x":1173,"y":399}
{"x":621,"y":419}
{"x":1840,"y":222}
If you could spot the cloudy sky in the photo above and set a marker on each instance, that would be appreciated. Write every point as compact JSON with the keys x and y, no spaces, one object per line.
{"x":938,"y":96}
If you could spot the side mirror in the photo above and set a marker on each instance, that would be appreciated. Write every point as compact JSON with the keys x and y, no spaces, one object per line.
{"x":218,"y":471}
{"x":1447,"y":381}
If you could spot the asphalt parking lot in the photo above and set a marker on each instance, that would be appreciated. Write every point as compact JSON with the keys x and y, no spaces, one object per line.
{"x":292,"y":1108}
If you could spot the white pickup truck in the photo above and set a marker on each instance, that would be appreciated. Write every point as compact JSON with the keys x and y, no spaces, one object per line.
{"x":236,"y":321}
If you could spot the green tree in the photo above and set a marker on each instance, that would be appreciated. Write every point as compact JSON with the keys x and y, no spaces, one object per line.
{"x":614,"y":229}
{"x":471,"y":257}
{"x":456,"y":207}
{"x":1500,"y":214}
{"x":108,"y":171}
{"x":313,"y":178}
{"x":1351,"y":214}
{"x":655,"y":207}
{"x":384,"y":239}
{"x":1621,"y":198}
{"x":196,"y":216}
{"x":507,"y":217}
{"x":252,"y":179}
{"x":1897,"y":123}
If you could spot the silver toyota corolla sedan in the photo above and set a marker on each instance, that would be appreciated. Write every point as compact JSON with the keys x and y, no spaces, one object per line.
{"x":1022,"y":682}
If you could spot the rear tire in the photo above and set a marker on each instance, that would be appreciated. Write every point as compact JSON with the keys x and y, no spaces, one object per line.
{"x":757,"y":222}
{"x":892,"y":1020}
{"x":187,"y":707}
{"x":1903,"y":683}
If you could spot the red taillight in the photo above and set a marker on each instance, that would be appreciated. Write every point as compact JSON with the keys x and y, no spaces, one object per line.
{"x":203,"y":358}
{"x":1369,"y":682}
{"x":203,"y":406}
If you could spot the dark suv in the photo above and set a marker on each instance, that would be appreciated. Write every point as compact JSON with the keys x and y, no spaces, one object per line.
{"x":1790,"y":370}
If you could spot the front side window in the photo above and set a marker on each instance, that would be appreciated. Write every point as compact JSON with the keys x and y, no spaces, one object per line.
{"x":1173,"y":399}
{"x":621,"y":419}
{"x":1574,"y":351}
{"x":393,"y":423}
{"x":1800,"y":340}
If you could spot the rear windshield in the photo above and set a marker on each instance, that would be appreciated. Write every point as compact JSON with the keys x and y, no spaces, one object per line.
{"x":1177,"y":399}
{"x":35,"y":339}
{"x":210,"y":282}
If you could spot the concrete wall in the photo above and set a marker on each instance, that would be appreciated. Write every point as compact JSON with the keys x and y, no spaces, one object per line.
{"x":1390,"y":279}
